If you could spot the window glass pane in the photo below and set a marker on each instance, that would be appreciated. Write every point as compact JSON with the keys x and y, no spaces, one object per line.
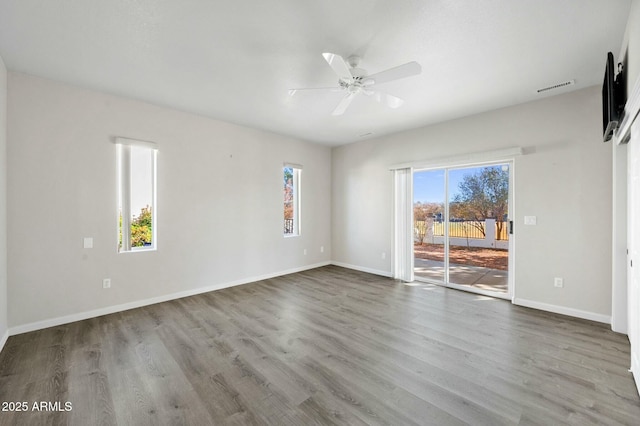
{"x":141,"y":197}
{"x":136,"y":181}
{"x":288,"y":201}
{"x":291,"y":182}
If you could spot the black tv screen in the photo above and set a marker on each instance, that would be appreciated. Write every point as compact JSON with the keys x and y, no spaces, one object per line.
{"x":610,"y":116}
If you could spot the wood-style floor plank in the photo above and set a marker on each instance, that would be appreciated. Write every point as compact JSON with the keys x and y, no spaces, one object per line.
{"x":329,"y":346}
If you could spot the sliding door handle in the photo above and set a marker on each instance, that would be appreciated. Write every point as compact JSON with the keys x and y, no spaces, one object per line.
{"x":511,"y":227}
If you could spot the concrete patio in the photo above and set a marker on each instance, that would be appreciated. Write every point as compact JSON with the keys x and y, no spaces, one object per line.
{"x":472,"y":276}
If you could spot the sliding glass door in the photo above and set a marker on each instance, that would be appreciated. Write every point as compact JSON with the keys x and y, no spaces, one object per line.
{"x":461,"y":227}
{"x":429,"y":203}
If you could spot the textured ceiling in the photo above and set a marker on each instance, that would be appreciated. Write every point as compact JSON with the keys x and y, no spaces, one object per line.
{"x":236,"y":60}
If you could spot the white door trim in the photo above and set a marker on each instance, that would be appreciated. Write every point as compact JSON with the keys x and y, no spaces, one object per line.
{"x":511,"y":286}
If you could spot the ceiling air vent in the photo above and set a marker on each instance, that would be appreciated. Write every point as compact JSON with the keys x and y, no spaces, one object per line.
{"x":556,"y":86}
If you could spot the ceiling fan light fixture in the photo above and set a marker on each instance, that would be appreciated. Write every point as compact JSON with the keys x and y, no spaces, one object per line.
{"x":353,"y":80}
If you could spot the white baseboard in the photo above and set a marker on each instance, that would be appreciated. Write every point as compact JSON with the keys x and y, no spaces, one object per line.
{"x":52,"y":322}
{"x":3,"y":339}
{"x":363,"y":269}
{"x":563,"y":310}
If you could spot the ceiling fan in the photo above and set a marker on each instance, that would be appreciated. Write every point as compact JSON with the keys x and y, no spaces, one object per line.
{"x":354,"y":81}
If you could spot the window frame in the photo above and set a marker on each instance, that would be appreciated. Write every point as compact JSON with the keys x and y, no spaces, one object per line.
{"x":123,"y":202}
{"x":296,"y":195}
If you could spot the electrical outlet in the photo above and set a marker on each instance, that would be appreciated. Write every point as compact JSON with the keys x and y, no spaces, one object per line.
{"x":384,"y":255}
{"x":304,"y":251}
{"x":558,"y":282}
{"x":321,"y":249}
{"x":106,"y":283}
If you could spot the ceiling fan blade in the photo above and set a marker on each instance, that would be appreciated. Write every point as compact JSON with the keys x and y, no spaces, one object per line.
{"x":386,"y":99}
{"x":315,"y":89}
{"x":339,"y":66}
{"x":396,"y":73}
{"x":344,"y":104}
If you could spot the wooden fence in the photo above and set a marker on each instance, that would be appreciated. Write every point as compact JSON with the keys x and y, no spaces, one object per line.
{"x":467,"y":229}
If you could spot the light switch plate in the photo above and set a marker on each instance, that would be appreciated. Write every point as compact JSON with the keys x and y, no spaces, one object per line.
{"x":530,"y":220}
{"x":88,"y":242}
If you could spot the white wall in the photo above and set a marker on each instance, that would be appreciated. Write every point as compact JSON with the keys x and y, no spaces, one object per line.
{"x":564,"y":179}
{"x":631,"y":45}
{"x":631,"y":49}
{"x":3,"y":205}
{"x":219,"y":203}
{"x":625,"y":302}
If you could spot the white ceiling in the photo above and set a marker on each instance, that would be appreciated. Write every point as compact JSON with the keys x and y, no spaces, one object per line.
{"x":236,"y":60}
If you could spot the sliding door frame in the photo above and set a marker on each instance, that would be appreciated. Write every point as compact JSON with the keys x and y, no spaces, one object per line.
{"x":510,"y":162}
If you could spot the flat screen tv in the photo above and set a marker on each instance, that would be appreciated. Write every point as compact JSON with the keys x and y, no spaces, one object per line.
{"x":612,"y":98}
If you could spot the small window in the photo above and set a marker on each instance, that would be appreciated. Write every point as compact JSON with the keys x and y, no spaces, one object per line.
{"x":136,"y":195}
{"x":291,"y":175}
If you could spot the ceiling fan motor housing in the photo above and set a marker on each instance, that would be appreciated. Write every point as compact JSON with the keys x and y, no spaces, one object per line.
{"x":354,"y":80}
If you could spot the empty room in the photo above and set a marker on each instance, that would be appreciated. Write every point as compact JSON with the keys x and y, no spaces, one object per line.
{"x":333,"y":212}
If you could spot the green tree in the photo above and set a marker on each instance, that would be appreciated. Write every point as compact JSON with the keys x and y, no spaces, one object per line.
{"x":141,"y":228}
{"x":482,"y":195}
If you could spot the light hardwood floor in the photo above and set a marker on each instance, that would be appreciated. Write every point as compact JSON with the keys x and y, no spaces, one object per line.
{"x":326,"y":346}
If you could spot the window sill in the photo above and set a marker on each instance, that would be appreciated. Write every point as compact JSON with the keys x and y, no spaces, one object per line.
{"x":140,"y":250}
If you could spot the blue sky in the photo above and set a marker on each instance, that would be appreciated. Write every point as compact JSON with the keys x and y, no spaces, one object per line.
{"x":428,"y":185}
